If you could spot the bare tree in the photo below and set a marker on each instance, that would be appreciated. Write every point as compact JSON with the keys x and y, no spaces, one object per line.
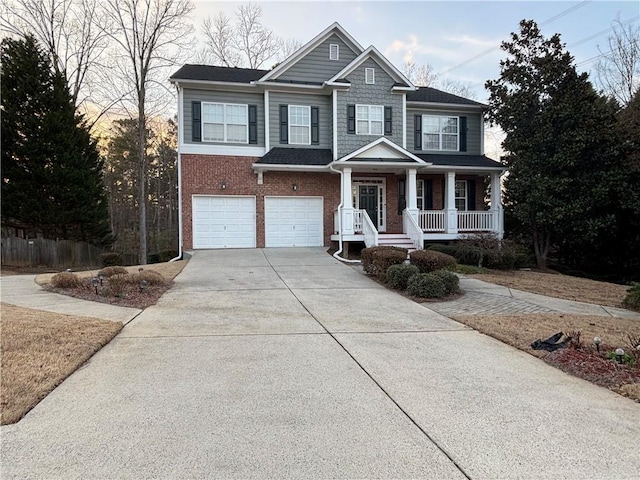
{"x":247,"y":43}
{"x":618,"y":70}
{"x":286,"y":48}
{"x":150,"y":36}
{"x":73,"y":32}
{"x":425,"y":76}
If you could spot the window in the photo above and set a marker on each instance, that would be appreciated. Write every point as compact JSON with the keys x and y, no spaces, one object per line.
{"x":420,"y":194}
{"x":369,"y":119}
{"x":439,"y":133}
{"x":334,"y":52}
{"x":369,"y":76}
{"x":299,"y":125}
{"x":461,"y":194}
{"x":224,"y":122}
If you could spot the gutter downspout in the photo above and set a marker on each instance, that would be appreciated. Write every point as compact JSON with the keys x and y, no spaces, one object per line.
{"x":180,"y":125}
{"x":336,"y":255}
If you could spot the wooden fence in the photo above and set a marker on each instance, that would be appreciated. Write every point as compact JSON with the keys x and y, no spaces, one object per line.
{"x":22,"y":252}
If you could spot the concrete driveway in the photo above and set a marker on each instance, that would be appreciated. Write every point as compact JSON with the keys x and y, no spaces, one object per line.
{"x":284,"y":363}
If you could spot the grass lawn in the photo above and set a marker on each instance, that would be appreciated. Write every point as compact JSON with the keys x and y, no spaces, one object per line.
{"x":39,"y":350}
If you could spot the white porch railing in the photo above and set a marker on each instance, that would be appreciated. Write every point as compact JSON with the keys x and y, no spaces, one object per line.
{"x":476,"y":221}
{"x":412,"y":230}
{"x":358,"y":221}
{"x":431,"y":220}
{"x":370,"y":232}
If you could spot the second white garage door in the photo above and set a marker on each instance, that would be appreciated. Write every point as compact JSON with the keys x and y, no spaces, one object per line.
{"x":293,"y":221}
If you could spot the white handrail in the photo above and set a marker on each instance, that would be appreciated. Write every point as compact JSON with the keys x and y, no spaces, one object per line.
{"x":432,"y":220}
{"x":471,"y":221}
{"x":370,"y":232}
{"x":412,"y":230}
{"x":357,"y":221}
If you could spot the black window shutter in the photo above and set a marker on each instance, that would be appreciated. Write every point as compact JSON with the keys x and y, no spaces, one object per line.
{"x":471,"y":194}
{"x":463,"y":134}
{"x":402,"y":199}
{"x":315,"y":126}
{"x":428,"y":195}
{"x":387,"y":121}
{"x":351,"y":119}
{"x":253,"y":124}
{"x":284,"y":124}
{"x":417,"y":132}
{"x":196,"y":125}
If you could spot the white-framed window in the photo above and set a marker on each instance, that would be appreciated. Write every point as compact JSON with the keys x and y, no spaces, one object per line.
{"x":440,"y":133}
{"x":299,"y":125}
{"x":369,"y":119}
{"x":225,"y":122}
{"x":334,"y":51}
{"x":369,"y":76}
{"x":461,"y":194}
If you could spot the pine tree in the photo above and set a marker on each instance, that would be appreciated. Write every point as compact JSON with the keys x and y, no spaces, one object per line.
{"x":51,"y":167}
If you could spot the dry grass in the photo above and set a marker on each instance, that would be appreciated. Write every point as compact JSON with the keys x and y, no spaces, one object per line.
{"x":559,"y":286}
{"x":39,"y":350}
{"x":169,"y":270}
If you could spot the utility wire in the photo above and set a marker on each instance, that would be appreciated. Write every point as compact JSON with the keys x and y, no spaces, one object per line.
{"x":488,"y":51}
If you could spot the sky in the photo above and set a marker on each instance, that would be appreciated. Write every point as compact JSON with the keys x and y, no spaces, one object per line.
{"x":460,"y":39}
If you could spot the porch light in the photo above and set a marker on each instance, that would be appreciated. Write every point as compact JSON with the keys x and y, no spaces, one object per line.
{"x":597,"y":341}
{"x":223,"y":186}
{"x":295,"y":187}
{"x":143,"y":285}
{"x":619,"y":354}
{"x":95,"y":282}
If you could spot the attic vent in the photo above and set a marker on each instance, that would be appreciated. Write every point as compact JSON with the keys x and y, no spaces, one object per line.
{"x":369,"y":76}
{"x":334,"y":51}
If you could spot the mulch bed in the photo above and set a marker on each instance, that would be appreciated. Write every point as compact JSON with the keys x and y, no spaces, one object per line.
{"x":132,"y":296}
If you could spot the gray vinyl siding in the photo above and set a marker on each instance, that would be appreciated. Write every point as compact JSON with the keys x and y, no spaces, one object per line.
{"x":362,"y":94}
{"x":324,"y":110}
{"x":192,"y":95}
{"x":316,"y":67}
{"x":474,"y":130}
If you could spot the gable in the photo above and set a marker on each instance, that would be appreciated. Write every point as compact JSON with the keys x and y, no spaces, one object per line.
{"x":382,"y":80}
{"x":316,"y":66}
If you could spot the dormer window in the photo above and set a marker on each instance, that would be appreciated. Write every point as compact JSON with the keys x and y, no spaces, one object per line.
{"x":334,"y":52}
{"x":369,"y":76}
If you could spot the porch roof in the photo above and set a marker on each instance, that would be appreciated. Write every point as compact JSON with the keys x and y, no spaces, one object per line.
{"x":452,"y":160}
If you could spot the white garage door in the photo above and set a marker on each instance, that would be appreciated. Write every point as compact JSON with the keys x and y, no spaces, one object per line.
{"x":293,"y":221}
{"x":224,"y":222}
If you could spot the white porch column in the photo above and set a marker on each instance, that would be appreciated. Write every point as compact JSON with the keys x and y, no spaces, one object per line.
{"x":412,"y":193}
{"x":451,"y":212}
{"x":347,"y":202}
{"x":496,"y":205}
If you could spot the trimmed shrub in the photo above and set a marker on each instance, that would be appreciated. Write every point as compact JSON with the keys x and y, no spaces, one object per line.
{"x":108,"y":272}
{"x":398,"y":275}
{"x":467,"y":269}
{"x":450,"y":280}
{"x":448,"y":249}
{"x":110,"y":259}
{"x":429,"y":260}
{"x":65,"y":280}
{"x":426,"y":285}
{"x":151,"y":276}
{"x":632,"y":300}
{"x":118,"y":285}
{"x":377,"y":260}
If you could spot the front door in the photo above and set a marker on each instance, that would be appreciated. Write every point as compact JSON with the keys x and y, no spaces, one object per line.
{"x":368,"y":200}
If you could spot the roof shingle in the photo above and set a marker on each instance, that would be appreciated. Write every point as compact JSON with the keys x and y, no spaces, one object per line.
{"x":451,"y":160}
{"x":297,"y":156}
{"x":211,"y":73}
{"x":433,"y":95}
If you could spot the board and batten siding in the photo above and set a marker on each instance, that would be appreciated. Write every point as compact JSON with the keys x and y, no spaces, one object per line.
{"x":193,"y":95}
{"x":362,"y":94}
{"x":316,"y":67}
{"x":474,"y":130}
{"x":325,"y":115}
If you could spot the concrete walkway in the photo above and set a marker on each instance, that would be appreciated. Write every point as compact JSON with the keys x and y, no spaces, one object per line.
{"x":282,"y":363}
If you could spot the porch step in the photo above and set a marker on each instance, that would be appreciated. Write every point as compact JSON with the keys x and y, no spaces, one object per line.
{"x":395,"y":240}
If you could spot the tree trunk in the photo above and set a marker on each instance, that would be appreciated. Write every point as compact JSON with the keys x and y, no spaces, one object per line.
{"x":541,"y":243}
{"x":142,"y":202}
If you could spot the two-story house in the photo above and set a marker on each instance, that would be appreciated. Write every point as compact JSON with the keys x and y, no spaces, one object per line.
{"x":333,"y":144}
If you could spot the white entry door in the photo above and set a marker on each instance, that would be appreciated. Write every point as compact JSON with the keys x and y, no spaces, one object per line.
{"x":224,"y":221}
{"x":293,"y":221}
